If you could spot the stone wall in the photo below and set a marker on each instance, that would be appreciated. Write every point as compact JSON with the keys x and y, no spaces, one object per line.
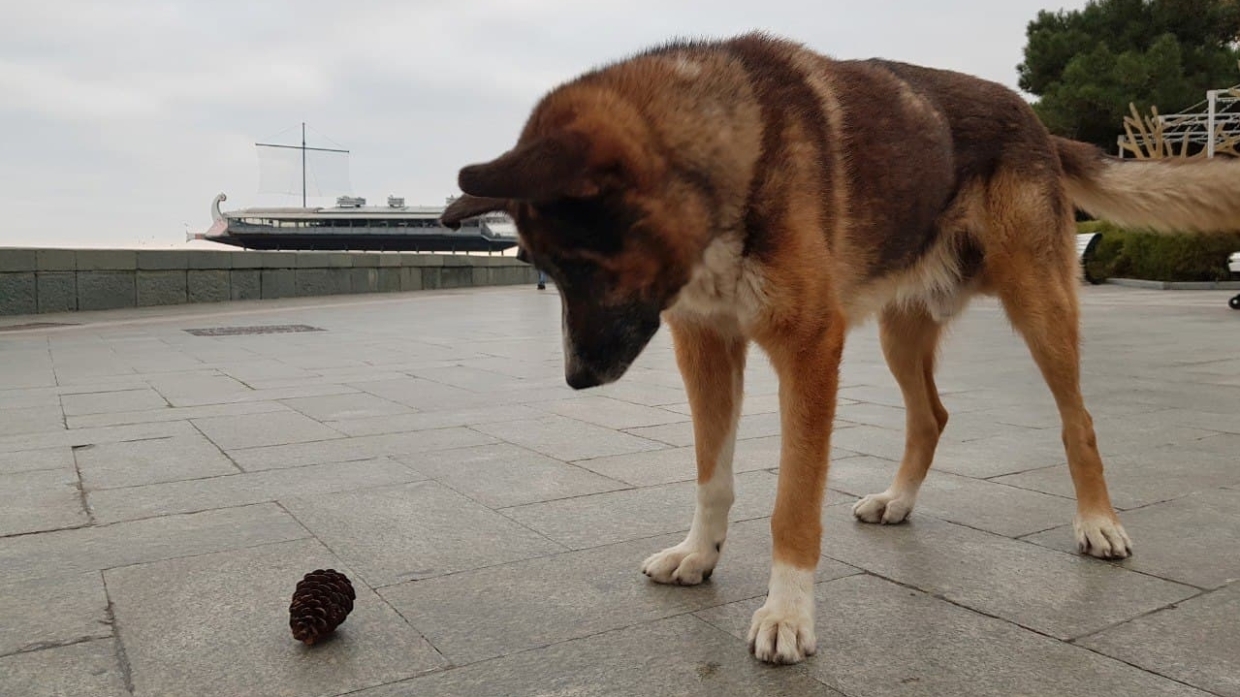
{"x":64,"y":280}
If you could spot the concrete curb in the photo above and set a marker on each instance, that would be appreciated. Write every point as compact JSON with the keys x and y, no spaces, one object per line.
{"x":1174,"y":285}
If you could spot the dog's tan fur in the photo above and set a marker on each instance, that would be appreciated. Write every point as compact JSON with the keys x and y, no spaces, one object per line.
{"x":753,"y":190}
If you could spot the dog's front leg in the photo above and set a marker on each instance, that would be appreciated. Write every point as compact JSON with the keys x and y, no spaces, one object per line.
{"x":712,"y":363}
{"x":782,"y":630}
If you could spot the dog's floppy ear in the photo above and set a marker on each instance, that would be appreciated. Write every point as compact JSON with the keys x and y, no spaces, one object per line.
{"x":467,"y":207}
{"x":546,"y":168}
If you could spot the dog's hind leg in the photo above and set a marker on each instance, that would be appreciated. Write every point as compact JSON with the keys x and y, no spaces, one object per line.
{"x":712,"y":364}
{"x":910,"y":338}
{"x":1037,"y":284}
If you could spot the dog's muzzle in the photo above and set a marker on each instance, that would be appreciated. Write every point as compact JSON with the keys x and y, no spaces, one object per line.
{"x":600,"y":343}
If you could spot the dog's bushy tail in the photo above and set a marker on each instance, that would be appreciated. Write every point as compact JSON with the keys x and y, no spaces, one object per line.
{"x":1171,"y":195}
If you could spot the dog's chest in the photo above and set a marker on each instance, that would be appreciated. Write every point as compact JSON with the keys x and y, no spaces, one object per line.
{"x":725,"y":285}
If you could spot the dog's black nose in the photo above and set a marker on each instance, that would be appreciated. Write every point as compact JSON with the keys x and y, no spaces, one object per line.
{"x":581,"y":378}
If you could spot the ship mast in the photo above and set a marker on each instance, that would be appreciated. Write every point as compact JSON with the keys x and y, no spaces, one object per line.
{"x":303,"y":150}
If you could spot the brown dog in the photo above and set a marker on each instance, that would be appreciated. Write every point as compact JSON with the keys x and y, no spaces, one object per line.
{"x":751,"y":189}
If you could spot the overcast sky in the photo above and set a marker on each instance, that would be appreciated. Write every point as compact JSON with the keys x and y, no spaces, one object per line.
{"x":121,"y":119}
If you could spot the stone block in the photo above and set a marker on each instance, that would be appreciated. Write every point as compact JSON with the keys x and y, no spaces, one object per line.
{"x":207,"y":286}
{"x":57,"y":291}
{"x":411,"y":278}
{"x":322,"y":281}
{"x":456,"y":277}
{"x":245,"y":284}
{"x":364,"y":280}
{"x":107,"y":260}
{"x":162,"y":259}
{"x":389,"y":280}
{"x":203,"y":259}
{"x":278,"y":260}
{"x":18,"y":294}
{"x":106,"y":290}
{"x":57,"y":259}
{"x":161,"y":288}
{"x":279,"y":283}
{"x":247,"y":260}
{"x":412,"y":259}
{"x":432,"y":277}
{"x":13,"y":260}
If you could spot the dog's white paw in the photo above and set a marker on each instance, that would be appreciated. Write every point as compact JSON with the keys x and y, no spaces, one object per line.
{"x":782,"y":633}
{"x":886,"y":508}
{"x":1101,"y":536}
{"x":683,"y":565}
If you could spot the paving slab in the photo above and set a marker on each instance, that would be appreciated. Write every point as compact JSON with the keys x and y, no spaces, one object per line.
{"x":218,"y":625}
{"x":54,"y":611}
{"x":428,"y":420}
{"x":109,"y":546}
{"x":414,"y":531}
{"x":168,"y":413}
{"x":276,"y":428}
{"x":40,"y":500}
{"x":233,"y":489}
{"x":612,"y":413}
{"x":16,"y":422}
{"x":360,"y":448}
{"x":1194,"y":641}
{"x":89,"y":669}
{"x":670,"y":465}
{"x":107,"y":402}
{"x":577,"y":594}
{"x":150,"y":461}
{"x":977,"y":503}
{"x":502,"y":475}
{"x":567,"y":439}
{"x":93,"y":436}
{"x":680,"y":656}
{"x":591,"y":521}
{"x":345,"y":406}
{"x":30,"y":460}
{"x":1061,"y":594}
{"x":1139,"y":479}
{"x":680,"y":433}
{"x":1193,"y":540}
{"x":880,"y":639}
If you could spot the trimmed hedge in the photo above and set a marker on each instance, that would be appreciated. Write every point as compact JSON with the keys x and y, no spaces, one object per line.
{"x":1154,"y":256}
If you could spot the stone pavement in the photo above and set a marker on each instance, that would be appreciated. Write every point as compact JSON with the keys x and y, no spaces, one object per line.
{"x":161,"y":492}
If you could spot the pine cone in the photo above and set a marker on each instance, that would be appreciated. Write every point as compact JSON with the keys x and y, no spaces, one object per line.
{"x":323,"y":599}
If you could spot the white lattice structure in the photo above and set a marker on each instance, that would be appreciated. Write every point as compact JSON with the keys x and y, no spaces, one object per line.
{"x":1216,"y":130}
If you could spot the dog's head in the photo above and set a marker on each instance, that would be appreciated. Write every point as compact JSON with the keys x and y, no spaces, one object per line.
{"x":596,"y":210}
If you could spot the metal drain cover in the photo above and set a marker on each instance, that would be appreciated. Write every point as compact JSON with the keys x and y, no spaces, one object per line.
{"x":249,"y":331}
